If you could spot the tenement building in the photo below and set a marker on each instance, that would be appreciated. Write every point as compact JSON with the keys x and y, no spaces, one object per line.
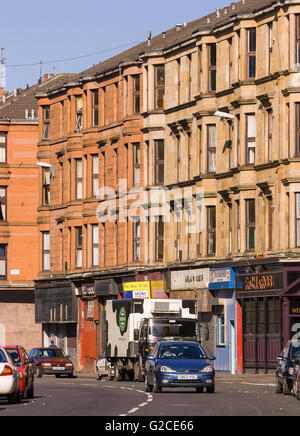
{"x":171,"y":170}
{"x":19,"y":238}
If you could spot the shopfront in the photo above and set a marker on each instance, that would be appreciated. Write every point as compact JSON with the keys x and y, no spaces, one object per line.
{"x":93,"y":297}
{"x":222,"y":288}
{"x":192,"y":284}
{"x":56,"y":308}
{"x":291,"y":303}
{"x":259,"y":289}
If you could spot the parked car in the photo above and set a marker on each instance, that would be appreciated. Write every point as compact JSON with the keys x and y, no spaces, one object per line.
{"x":24,"y":366}
{"x":9,"y":378}
{"x":286,"y":367}
{"x":296,"y":377}
{"x":179,"y":364}
{"x":51,"y":361}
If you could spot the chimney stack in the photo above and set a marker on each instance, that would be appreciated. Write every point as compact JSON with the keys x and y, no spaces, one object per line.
{"x":1,"y":94}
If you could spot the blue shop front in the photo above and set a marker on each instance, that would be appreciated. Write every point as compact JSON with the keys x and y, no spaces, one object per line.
{"x":222,"y":288}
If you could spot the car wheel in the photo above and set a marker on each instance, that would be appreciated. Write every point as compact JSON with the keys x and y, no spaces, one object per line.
{"x":39,"y":373}
{"x":285,"y":388}
{"x":30,"y":392}
{"x":295,"y":388}
{"x":279,"y":388}
{"x":15,"y":397}
{"x":148,"y":388}
{"x":211,"y":389}
{"x":57,"y":375}
{"x":156,"y":389}
{"x":199,"y":390}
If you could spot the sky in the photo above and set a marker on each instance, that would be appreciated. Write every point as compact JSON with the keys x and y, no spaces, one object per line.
{"x":71,"y":36}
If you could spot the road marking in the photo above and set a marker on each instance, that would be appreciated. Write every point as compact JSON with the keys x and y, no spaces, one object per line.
{"x":133,"y":410}
{"x":136,"y":409}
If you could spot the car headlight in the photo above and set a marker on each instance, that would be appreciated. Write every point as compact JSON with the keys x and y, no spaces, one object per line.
{"x":207,"y":369}
{"x":69,"y":364}
{"x":46,"y":364}
{"x":166,"y":369}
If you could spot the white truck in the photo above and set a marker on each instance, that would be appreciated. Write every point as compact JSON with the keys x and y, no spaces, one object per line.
{"x":134,"y":326}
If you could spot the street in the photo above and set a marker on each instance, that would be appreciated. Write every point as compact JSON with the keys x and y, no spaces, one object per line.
{"x":235,"y":396}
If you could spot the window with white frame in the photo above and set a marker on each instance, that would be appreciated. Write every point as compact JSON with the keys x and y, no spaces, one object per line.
{"x":95,"y":244}
{"x":251,"y":138}
{"x":46,"y":251}
{"x":79,"y":105}
{"x":220,"y":324}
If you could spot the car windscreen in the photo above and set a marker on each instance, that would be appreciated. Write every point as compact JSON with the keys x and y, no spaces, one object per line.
{"x":2,"y":357}
{"x":295,"y":350}
{"x":181,"y":351}
{"x":172,"y":329}
{"x":50,"y":353}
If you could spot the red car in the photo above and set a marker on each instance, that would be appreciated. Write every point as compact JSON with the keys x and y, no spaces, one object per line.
{"x":53,"y":361}
{"x":24,"y":366}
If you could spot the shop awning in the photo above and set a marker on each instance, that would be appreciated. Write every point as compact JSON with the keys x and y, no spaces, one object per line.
{"x":106,"y":287}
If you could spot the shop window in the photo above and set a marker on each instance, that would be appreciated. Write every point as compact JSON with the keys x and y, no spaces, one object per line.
{"x":249,"y":317}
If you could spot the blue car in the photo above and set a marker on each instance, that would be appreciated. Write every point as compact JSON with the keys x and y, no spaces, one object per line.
{"x":179,"y":364}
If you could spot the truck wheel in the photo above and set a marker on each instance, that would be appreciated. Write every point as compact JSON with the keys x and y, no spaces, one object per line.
{"x":119,"y":375}
{"x":138,"y":375}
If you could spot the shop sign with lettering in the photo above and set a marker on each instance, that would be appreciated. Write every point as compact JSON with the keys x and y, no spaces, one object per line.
{"x":88,"y":289}
{"x":259,"y":283}
{"x":221,"y":278}
{"x":189,"y":279}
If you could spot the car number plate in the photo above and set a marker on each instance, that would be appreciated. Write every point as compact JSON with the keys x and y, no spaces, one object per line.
{"x":187,"y":377}
{"x":58,"y":368}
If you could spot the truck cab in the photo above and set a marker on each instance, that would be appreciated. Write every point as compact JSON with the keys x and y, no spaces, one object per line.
{"x":161,"y":328}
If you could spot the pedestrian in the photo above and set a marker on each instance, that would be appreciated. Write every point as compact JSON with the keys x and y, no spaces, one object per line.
{"x":52,"y":345}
